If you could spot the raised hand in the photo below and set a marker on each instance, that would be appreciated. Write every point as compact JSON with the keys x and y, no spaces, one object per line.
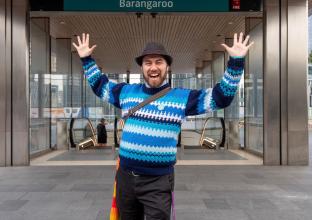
{"x":83,"y":48}
{"x":240,"y":47}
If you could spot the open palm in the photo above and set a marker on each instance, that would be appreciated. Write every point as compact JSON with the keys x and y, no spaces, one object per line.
{"x":83,"y":48}
{"x":240,"y":47}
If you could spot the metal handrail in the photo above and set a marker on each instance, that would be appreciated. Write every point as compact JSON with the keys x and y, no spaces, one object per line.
{"x":212,"y":143}
{"x":86,"y":142}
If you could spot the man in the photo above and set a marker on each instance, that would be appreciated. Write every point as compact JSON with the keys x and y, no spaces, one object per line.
{"x":101,"y":133}
{"x":147,"y":153}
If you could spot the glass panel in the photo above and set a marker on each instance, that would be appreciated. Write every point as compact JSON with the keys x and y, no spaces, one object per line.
{"x":39,"y":85}
{"x":310,"y":73}
{"x":204,"y":81}
{"x":77,"y":84}
{"x":254,"y":93}
{"x":309,"y":88}
{"x":217,"y":72}
{"x":136,"y":78}
{"x":235,"y":135}
{"x":61,"y":84}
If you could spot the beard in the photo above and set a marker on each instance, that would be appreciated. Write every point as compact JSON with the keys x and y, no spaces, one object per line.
{"x":155,"y":82}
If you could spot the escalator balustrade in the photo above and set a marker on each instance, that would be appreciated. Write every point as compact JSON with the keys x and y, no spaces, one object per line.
{"x":213,"y":133}
{"x":82,"y":134}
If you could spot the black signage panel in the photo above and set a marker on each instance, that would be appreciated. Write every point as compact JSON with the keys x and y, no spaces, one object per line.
{"x":245,"y":5}
{"x":46,"y":5}
{"x":146,"y":5}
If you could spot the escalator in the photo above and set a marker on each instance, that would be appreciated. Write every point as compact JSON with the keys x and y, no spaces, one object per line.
{"x":82,"y":134}
{"x":213,"y":134}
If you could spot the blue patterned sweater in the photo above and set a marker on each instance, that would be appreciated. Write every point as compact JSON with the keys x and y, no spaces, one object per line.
{"x":149,"y":139}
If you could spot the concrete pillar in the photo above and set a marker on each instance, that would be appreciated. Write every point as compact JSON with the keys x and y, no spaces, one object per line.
{"x":285,"y":79}
{"x":14,"y":78}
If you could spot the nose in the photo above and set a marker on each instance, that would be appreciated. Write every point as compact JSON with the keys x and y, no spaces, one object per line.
{"x":153,"y":67}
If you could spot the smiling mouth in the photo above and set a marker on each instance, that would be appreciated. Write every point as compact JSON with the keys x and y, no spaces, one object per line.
{"x":154,"y":75}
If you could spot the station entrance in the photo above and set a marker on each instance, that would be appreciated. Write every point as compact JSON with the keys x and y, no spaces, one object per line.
{"x":65,"y":112}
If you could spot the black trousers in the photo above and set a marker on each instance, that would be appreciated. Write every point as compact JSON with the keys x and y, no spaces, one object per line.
{"x":138,"y":196}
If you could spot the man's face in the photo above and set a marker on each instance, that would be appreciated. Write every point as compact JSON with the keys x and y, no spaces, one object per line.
{"x":154,"y":68}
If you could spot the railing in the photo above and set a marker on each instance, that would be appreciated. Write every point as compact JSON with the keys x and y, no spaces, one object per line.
{"x":219,"y":139}
{"x":84,"y":142}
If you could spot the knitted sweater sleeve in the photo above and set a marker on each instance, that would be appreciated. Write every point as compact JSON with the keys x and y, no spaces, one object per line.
{"x":221,"y":95}
{"x":99,"y":83}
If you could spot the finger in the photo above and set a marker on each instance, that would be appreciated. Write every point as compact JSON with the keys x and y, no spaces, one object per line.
{"x":235,"y":39}
{"x":92,"y":48}
{"x":87,"y":39}
{"x":250,"y":45}
{"x":83,"y":38}
{"x":246,"y":40}
{"x":225,"y":46}
{"x":79,"y":40}
{"x":75,"y":45}
{"x":241,"y":38}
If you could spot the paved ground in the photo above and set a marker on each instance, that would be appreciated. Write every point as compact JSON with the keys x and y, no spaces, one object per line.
{"x":202,"y":192}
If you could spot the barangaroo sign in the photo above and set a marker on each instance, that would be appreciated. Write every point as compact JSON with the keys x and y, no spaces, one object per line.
{"x":146,"y":5}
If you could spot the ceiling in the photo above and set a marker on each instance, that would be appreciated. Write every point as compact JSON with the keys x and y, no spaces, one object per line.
{"x":189,"y":38}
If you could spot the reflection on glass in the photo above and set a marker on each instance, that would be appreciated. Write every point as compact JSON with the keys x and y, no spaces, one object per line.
{"x":217,"y":72}
{"x":39,"y":86}
{"x":254,"y":94}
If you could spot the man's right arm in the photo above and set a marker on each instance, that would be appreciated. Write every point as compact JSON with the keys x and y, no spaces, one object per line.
{"x":99,"y":83}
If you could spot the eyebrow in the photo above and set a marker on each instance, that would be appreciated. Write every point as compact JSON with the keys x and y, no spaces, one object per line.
{"x":149,"y":60}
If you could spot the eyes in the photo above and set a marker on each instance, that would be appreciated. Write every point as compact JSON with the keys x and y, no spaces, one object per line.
{"x":157,"y":62}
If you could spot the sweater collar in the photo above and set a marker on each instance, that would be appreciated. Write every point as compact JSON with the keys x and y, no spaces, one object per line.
{"x":153,"y":91}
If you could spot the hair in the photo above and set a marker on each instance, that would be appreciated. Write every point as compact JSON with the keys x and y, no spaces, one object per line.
{"x":102,"y":120}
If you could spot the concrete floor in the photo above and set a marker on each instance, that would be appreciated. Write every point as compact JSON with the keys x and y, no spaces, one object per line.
{"x":202,"y":192}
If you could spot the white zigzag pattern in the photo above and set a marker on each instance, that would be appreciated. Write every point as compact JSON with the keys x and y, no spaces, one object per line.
{"x":168,"y":104}
{"x":165,"y":116}
{"x":150,"y":132}
{"x":92,"y":71}
{"x":207,"y":100}
{"x":237,"y":77}
{"x":105,"y":93}
{"x":229,"y":83}
{"x":155,"y":103}
{"x":124,"y":101}
{"x":149,"y":149}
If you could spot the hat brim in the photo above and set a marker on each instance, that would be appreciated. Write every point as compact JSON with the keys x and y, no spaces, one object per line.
{"x":139,"y":59}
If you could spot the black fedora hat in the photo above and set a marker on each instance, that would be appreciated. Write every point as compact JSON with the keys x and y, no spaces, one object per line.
{"x":153,"y":48}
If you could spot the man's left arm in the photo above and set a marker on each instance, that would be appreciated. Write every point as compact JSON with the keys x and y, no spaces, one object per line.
{"x":221,"y":96}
